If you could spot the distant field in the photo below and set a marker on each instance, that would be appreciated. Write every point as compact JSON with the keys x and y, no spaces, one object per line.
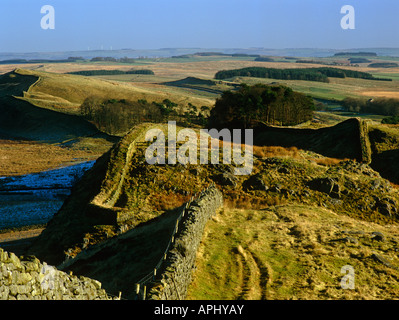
{"x":392,"y":75}
{"x":172,"y":69}
{"x":206,"y":67}
{"x":337,"y":89}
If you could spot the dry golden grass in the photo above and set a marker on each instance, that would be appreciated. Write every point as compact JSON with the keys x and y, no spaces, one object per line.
{"x":328,"y":161}
{"x":164,"y":202}
{"x":381,"y":94}
{"x":25,"y":157}
{"x":242,"y":200}
{"x":65,"y":92}
{"x":149,"y":87}
{"x":5,"y":68}
{"x":176,"y":70}
{"x":276,"y":151}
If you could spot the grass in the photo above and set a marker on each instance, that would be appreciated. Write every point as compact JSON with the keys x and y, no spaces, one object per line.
{"x":126,"y":184}
{"x":274,"y":244}
{"x":25,"y":157}
{"x":290,"y":252}
{"x":393,"y":75}
{"x":65,"y":93}
{"x":336,"y":89}
{"x":276,"y":151}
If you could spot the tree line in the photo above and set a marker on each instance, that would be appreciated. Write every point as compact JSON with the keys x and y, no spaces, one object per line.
{"x":243,"y":108}
{"x":115,"y":116}
{"x":112,"y":59}
{"x":367,"y":54}
{"x":110,"y":72}
{"x":383,"y":65}
{"x":380,"y":106}
{"x":308,"y":74}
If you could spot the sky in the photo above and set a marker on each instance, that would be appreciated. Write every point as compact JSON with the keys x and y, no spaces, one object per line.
{"x":153,"y":24}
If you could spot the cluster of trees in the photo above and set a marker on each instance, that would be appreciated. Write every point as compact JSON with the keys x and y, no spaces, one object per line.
{"x":244,"y":108}
{"x":367,"y":54}
{"x":188,"y":115}
{"x":380,"y":106}
{"x":282,"y":74}
{"x":391,"y":120}
{"x":264,"y":59}
{"x":110,"y":72}
{"x":115,"y":116}
{"x":383,"y":65}
{"x":359,"y":60}
{"x":309,"y":74}
{"x":310,"y":61}
{"x":118,"y":116}
{"x":278,"y":105}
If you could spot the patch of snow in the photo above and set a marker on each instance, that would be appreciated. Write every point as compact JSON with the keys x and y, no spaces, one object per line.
{"x":35,"y":198}
{"x":58,"y":178}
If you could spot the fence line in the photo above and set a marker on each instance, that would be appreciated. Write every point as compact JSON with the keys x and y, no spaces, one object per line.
{"x":140,"y":285}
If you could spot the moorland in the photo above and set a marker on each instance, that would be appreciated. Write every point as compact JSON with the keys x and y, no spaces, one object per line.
{"x":323,"y":193}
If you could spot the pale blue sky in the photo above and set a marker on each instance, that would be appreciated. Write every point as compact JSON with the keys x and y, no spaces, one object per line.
{"x":153,"y":24}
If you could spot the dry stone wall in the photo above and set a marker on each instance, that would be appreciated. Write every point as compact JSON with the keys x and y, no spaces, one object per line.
{"x":365,"y":142}
{"x":29,"y":279}
{"x":175,"y":274}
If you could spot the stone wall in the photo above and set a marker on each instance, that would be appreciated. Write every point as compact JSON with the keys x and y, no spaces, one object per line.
{"x":175,"y":273}
{"x":365,"y":142}
{"x":29,"y":279}
{"x":347,"y":139}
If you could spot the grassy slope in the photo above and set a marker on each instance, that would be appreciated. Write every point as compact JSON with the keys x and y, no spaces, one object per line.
{"x":293,"y":252}
{"x":65,"y":93}
{"x":24,"y":120}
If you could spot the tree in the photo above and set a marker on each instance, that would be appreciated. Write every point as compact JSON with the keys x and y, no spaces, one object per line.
{"x":89,"y":107}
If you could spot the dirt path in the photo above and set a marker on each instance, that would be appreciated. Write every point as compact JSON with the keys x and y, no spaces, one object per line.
{"x":254,"y":275}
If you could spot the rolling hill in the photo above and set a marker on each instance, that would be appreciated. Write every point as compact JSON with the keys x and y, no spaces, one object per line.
{"x":123,"y":199}
{"x":317,"y":199}
{"x":44,"y":106}
{"x":66,"y":92}
{"x":23,"y":119}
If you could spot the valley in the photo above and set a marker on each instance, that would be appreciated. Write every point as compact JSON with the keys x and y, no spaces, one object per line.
{"x":77,"y":193}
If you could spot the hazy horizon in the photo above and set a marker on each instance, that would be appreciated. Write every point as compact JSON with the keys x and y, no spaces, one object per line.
{"x":169,"y":52}
{"x":155,"y":24}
